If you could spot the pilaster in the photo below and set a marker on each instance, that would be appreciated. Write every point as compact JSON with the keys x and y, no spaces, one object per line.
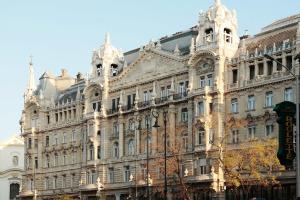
{"x":190,"y":125}
{"x":121,"y":136}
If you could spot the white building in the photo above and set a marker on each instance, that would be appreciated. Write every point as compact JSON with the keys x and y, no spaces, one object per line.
{"x":11,"y":167}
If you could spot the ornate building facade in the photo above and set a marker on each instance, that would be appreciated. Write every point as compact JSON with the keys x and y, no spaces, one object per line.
{"x":87,"y":137}
{"x":11,"y":167}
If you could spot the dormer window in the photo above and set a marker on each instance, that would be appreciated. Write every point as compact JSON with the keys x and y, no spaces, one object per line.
{"x":209,"y":35}
{"x":99,"y":69}
{"x":227,"y":35}
{"x":114,"y":69}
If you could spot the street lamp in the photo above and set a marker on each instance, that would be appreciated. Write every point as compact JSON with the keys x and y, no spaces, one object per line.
{"x":156,"y":115}
{"x":147,"y":152}
{"x":296,"y":76}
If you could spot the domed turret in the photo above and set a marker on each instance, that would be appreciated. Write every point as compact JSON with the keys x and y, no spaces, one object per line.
{"x":217,"y":28}
{"x":107,"y":58}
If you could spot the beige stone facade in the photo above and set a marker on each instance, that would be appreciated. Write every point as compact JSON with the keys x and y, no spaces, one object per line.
{"x":81,"y":134}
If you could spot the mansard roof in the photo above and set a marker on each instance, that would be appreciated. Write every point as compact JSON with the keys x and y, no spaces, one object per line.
{"x":168,"y":43}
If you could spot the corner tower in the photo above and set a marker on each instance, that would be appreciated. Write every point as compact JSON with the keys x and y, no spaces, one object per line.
{"x":217,"y":30}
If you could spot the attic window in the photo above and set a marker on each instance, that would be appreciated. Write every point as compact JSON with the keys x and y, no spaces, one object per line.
{"x":99,"y":69}
{"x":96,"y":94}
{"x":227,"y":35}
{"x":34,"y":112}
{"x":209,"y":35}
{"x":114,"y":69}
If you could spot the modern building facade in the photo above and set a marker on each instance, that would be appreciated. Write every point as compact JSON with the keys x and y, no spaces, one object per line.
{"x":86,"y":137}
{"x":11,"y":167}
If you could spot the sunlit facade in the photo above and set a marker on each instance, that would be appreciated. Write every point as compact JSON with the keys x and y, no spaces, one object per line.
{"x":86,"y":136}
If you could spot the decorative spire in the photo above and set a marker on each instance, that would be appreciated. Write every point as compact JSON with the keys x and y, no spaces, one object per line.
{"x":107,"y":39}
{"x":31,"y":84}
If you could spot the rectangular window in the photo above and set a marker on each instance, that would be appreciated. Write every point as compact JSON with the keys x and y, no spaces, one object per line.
{"x":279,"y":66}
{"x":129,"y":102}
{"x":36,"y":163}
{"x":269,"y":99}
{"x":234,"y":105}
{"x":46,"y":183}
{"x":116,"y":128}
{"x":201,"y":137}
{"x":251,"y":132}
{"x":234,"y":75}
{"x":251,"y":72}
{"x":29,"y":143}
{"x":235,"y":137}
{"x":184,"y":115}
{"x":111,"y":178}
{"x":200,"y":108}
{"x":270,"y":67}
{"x":209,"y":80}
{"x":260,"y":68}
{"x":35,"y":143}
{"x":269,"y":129}
{"x":251,"y":102}
{"x":202,"y":81}
{"x":289,"y":62}
{"x":48,"y":119}
{"x":202,"y":166}
{"x":54,"y":182}
{"x":126,"y":173}
{"x":56,"y":117}
{"x":113,"y":105}
{"x":64,"y":181}
{"x":47,"y":141}
{"x":146,"y":96}
{"x":99,"y":152}
{"x":73,"y":180}
{"x":288,"y":94}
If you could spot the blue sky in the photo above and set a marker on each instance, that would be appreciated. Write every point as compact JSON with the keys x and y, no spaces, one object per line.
{"x":62,"y":34}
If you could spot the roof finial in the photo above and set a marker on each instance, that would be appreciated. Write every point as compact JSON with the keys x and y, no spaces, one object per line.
{"x":30,"y":62}
{"x":107,"y":39}
{"x":217,"y":2}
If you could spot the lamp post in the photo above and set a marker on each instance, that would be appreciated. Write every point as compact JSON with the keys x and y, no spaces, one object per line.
{"x":156,"y":115}
{"x":296,"y":76}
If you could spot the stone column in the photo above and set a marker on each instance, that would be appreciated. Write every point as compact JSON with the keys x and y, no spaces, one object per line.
{"x":172,"y":121}
{"x":121,"y":136}
{"x":190,"y":125}
{"x":283,"y":61}
{"x":256,"y":68}
{"x":265,"y":67}
{"x":274,"y":66}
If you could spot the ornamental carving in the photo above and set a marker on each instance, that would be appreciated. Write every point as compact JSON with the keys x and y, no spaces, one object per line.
{"x":204,"y":66}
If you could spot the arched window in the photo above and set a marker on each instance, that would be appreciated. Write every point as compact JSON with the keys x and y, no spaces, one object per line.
{"x":99,"y":69}
{"x":227,"y":35}
{"x":114,"y":69}
{"x":209,"y":35}
{"x":131,"y":147}
{"x":91,"y":152}
{"x":116,"y":150}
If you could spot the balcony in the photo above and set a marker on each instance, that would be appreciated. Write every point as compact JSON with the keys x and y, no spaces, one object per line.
{"x":201,"y":147}
{"x":88,"y":187}
{"x":180,"y":96}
